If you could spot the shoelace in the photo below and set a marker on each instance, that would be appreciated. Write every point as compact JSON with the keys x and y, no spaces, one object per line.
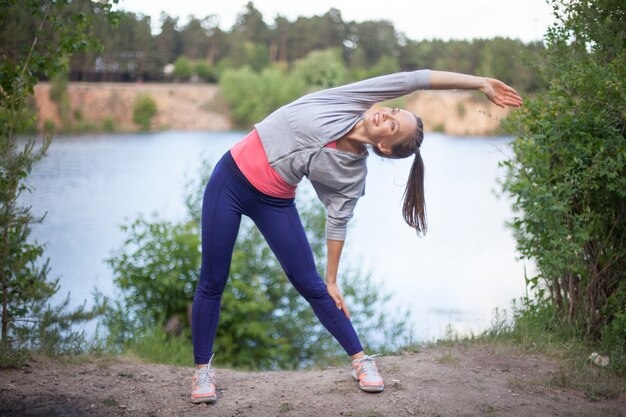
{"x":206,"y":375}
{"x":368,"y":364}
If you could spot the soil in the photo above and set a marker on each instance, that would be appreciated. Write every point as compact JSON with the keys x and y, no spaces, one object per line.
{"x":473,"y":380}
{"x":199,"y":107}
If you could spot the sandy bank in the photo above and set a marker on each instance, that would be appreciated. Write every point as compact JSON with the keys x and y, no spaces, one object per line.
{"x":199,"y":107}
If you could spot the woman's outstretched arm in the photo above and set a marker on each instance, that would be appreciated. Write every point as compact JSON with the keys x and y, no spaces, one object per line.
{"x":498,"y":92}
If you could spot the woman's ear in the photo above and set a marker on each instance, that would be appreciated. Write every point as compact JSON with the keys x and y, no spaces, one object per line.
{"x":383,"y":148}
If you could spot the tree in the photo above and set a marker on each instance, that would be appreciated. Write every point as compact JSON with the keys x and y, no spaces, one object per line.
{"x":264,"y":322}
{"x":568,"y":174}
{"x":194,"y":39}
{"x":251,"y":26}
{"x":41,"y":51}
{"x":377,"y":39}
{"x":308,"y":34}
{"x":168,"y":40}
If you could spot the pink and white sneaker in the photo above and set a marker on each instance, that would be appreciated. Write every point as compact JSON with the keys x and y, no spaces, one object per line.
{"x":364,"y":370}
{"x":203,"y":388}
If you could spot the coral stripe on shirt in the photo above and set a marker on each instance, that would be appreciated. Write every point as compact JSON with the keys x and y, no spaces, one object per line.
{"x":250,"y":157}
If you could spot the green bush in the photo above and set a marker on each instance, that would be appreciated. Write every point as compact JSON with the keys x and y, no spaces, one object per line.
{"x":59,"y":94}
{"x":183,"y":68}
{"x":205,"y":71}
{"x":108,"y":125}
{"x":568,"y":174}
{"x":252,"y":96}
{"x":144,"y":109}
{"x":321,"y":69}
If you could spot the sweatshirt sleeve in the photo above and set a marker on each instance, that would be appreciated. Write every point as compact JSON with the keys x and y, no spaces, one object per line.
{"x":384,"y":87}
{"x":339,"y":210}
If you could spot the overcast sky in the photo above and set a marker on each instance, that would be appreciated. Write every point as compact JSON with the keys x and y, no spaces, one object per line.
{"x":418,"y":19}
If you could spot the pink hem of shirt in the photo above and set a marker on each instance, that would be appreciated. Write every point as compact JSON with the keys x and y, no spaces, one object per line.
{"x":251,"y":159}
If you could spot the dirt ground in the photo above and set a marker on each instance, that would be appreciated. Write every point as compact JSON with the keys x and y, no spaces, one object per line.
{"x":441,"y":381}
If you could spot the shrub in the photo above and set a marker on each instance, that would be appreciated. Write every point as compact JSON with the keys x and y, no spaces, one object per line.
{"x":322,"y":69}
{"x":183,"y":68}
{"x":144,"y":110}
{"x":252,"y":96}
{"x":205,"y":71}
{"x":568,"y":173}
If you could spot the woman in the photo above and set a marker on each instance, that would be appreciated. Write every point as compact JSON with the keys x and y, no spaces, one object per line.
{"x":323,"y":136}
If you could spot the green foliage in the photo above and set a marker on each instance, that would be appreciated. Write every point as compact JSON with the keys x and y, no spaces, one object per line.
{"x":145,"y":260}
{"x":321,"y":69}
{"x":368,"y":48}
{"x":144,"y":109}
{"x":59,"y":94}
{"x":205,"y":71}
{"x":156,"y":346}
{"x":45,"y":33}
{"x":183,"y":68}
{"x":108,"y":125}
{"x":13,"y":358}
{"x":264,"y":322}
{"x":252,"y":95}
{"x":568,"y":174}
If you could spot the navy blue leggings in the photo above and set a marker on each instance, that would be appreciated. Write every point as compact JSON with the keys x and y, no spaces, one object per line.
{"x":228,"y":195}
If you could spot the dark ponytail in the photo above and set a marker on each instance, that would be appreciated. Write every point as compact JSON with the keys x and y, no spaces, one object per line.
{"x":414,"y":204}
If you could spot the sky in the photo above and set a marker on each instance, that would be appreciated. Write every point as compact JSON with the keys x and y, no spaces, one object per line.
{"x":417,"y":19}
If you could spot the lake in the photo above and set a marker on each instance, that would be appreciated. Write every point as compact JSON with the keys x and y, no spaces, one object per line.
{"x":458,"y":274}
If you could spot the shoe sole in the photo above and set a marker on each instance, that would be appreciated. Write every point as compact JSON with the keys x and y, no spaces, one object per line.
{"x":201,"y":400}
{"x":371,"y":389}
{"x":367,"y":388}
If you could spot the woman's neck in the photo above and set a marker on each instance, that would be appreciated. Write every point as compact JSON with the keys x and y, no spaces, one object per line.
{"x":354,"y":141}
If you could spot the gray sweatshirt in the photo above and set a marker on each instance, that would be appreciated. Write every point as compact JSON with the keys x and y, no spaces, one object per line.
{"x":294,"y":137}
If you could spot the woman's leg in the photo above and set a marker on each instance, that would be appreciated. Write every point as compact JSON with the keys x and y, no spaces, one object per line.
{"x":221,"y":217}
{"x":280,"y":224}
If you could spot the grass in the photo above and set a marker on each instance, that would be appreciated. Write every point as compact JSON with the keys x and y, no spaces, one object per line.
{"x":448,"y":358}
{"x":13,"y":358}
{"x":534,"y":331}
{"x":157,"y":347}
{"x":110,"y":402}
{"x":286,"y":407}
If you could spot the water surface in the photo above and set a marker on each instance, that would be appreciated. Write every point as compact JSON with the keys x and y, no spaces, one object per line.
{"x":457,"y":274}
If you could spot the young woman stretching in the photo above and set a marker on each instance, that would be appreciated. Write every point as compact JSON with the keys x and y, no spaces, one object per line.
{"x":323,"y":136}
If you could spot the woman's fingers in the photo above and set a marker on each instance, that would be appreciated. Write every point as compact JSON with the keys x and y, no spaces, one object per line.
{"x":344,"y":307}
{"x":502,"y":94}
{"x":339,"y":302}
{"x":345,"y":311}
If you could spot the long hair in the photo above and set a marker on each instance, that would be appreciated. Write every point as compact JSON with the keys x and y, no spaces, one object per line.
{"x":413,"y":204}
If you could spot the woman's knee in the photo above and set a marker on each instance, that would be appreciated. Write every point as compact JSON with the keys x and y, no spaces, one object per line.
{"x":210,"y":288}
{"x":310,"y":287}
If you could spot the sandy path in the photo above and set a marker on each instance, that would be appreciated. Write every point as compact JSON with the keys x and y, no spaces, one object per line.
{"x":440,"y":381}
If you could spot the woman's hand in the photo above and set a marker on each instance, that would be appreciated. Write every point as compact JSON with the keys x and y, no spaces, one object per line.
{"x":500,"y":94}
{"x":335,"y":293}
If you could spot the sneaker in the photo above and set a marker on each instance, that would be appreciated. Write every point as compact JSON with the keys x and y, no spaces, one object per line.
{"x":203,"y":388}
{"x":364,"y":370}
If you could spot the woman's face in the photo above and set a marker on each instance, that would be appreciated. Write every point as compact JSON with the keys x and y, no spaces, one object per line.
{"x":385,"y":126}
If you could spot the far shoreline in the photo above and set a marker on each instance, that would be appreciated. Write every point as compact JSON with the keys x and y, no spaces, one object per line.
{"x":108,"y":107}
